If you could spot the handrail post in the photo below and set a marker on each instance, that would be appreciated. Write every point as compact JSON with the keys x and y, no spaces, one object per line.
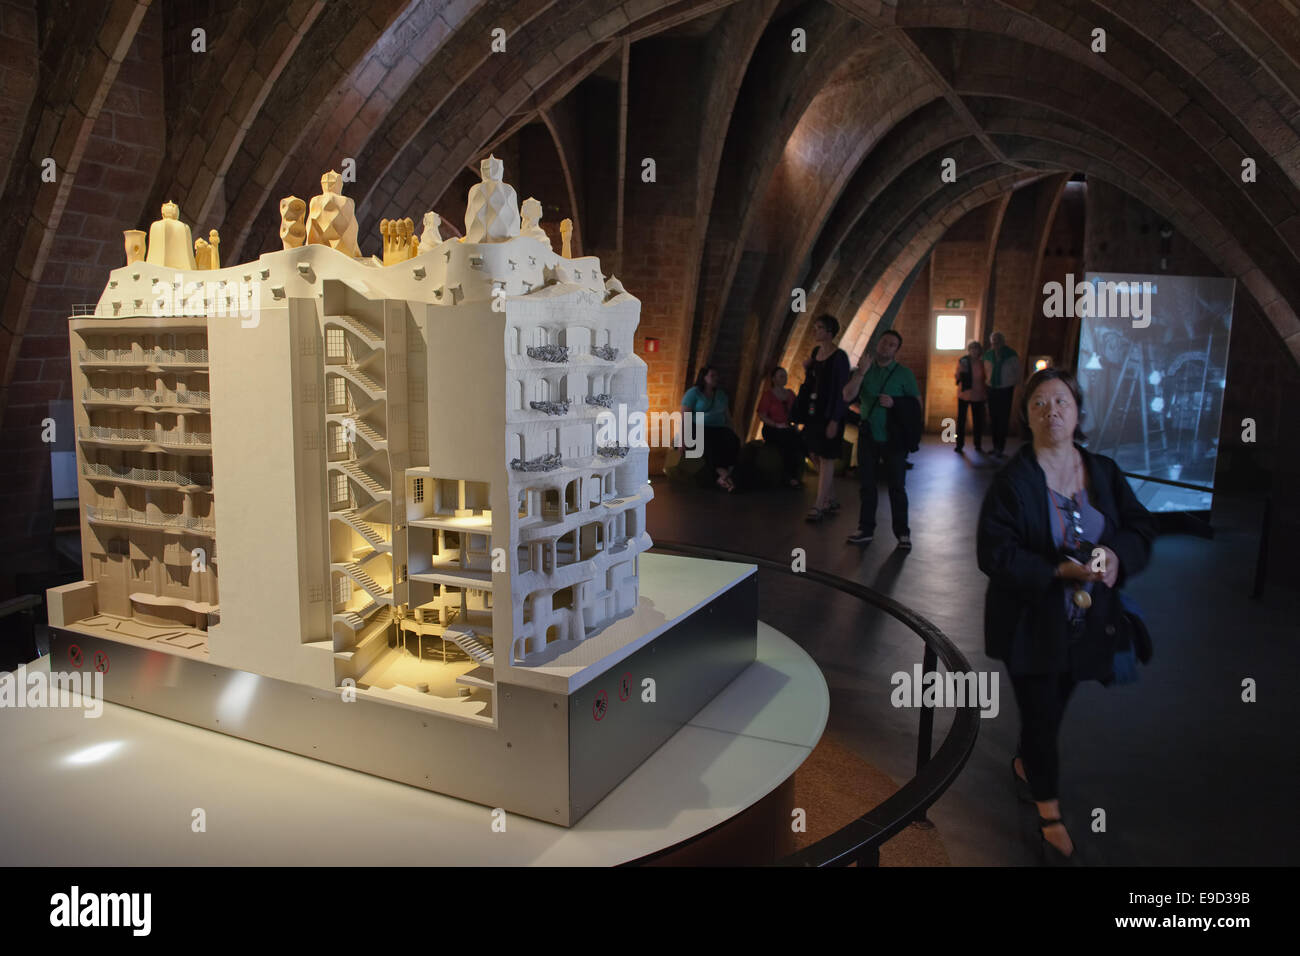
{"x":925,"y":734}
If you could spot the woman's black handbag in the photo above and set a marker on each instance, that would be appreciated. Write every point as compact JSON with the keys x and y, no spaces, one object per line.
{"x":1134,"y":642}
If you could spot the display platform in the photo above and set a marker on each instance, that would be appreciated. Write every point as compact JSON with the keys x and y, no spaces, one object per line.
{"x":126,"y":789}
{"x":551,"y":754}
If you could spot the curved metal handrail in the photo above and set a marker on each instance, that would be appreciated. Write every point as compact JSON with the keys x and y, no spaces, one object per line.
{"x":860,"y":840}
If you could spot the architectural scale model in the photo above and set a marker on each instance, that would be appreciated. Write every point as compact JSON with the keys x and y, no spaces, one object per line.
{"x":377,"y":477}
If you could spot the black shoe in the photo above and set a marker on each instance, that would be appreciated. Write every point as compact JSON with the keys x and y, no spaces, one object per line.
{"x":905,"y":542}
{"x":1050,"y":855}
{"x":860,"y":537}
{"x":957,"y":449}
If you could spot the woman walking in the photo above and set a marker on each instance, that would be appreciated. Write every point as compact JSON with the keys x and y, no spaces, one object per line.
{"x":826,"y":372}
{"x":1060,"y":531}
{"x":774,"y":409}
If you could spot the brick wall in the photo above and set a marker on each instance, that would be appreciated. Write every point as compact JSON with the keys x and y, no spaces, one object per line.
{"x":111,"y":187}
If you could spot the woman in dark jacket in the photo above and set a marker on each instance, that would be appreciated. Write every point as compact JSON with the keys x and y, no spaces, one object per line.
{"x":1060,"y":532}
{"x":826,"y":372}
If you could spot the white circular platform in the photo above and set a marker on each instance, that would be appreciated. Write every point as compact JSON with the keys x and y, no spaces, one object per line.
{"x":122,"y":789}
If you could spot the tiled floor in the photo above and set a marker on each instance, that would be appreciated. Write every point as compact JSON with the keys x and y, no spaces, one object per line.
{"x":1184,"y":770}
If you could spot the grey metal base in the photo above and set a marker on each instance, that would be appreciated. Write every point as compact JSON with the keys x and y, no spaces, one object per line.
{"x":551,"y":756}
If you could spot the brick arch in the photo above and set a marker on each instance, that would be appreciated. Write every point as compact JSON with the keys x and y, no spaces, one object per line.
{"x":85,"y":52}
{"x":914,"y":235}
{"x":477,"y":94}
{"x":820,"y":156}
{"x":738,"y":36}
{"x":756,"y":137}
{"x":309,"y":92}
{"x":1196,"y":54}
{"x":212,"y":97}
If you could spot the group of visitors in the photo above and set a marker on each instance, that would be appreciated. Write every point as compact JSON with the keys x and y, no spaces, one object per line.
{"x":986,"y":379}
{"x":889,"y":403}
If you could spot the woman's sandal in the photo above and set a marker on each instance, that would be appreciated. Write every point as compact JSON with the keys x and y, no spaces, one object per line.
{"x":1050,"y":854}
{"x":726,"y":484}
{"x":833,"y":507}
{"x":814,"y":515}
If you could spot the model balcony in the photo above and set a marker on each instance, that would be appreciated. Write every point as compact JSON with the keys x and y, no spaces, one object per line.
{"x":144,"y":396}
{"x":144,"y":358}
{"x":139,"y":437}
{"x":165,"y":522}
{"x":147,"y":476}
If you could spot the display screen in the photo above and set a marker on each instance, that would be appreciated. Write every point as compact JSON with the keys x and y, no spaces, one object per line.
{"x":1153,"y":358}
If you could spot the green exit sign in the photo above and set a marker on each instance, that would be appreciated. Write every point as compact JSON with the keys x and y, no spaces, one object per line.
{"x":954,"y":303}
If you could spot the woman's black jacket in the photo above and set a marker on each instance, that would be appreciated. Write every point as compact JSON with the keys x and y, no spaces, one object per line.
{"x":1024,"y":608}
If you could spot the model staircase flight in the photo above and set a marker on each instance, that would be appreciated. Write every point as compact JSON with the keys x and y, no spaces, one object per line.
{"x":362,"y":477}
{"x":361,"y":526}
{"x":364,"y":379}
{"x":468,"y":642}
{"x":358,"y":328}
{"x":368,"y":584}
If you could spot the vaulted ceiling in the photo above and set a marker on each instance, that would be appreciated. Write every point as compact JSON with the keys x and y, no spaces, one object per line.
{"x":795,"y":144}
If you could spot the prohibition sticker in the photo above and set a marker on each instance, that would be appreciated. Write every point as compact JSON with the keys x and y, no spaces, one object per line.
{"x":600,"y":706}
{"x":101,"y":662}
{"x":74,"y":655}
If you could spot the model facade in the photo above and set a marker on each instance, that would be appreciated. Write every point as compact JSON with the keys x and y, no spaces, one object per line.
{"x":391,"y":465}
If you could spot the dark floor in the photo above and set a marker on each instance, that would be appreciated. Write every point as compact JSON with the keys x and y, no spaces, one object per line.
{"x":1186,"y":773}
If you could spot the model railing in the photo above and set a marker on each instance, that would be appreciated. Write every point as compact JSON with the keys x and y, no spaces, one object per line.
{"x":154,"y":356}
{"x":101,"y":433}
{"x":185,"y":522}
{"x":860,"y":841}
{"x":99,"y":470}
{"x":144,"y":395}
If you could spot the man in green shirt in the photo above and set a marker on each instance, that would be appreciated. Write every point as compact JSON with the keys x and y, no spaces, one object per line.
{"x":874,"y":385}
{"x":1002,"y":372}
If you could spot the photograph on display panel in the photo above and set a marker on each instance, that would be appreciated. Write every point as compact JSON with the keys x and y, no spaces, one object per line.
{"x":1153,"y":354}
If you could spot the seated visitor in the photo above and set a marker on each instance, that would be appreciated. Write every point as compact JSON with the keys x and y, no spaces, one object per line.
{"x":774,"y":408}
{"x":721,"y":447}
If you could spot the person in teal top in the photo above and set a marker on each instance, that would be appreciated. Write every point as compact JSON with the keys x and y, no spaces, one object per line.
{"x":721,"y":446}
{"x":875,"y":387}
{"x":1002,"y":369}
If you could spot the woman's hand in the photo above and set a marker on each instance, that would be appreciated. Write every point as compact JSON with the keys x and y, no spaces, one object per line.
{"x":832,"y":429}
{"x":1110,"y":565}
{"x":886,"y":401}
{"x":1073,"y":571}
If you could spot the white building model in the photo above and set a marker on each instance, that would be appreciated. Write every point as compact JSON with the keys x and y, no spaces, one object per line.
{"x":392,"y":468}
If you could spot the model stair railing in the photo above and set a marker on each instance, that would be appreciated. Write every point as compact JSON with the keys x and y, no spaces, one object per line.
{"x":368,"y":584}
{"x":358,"y":328}
{"x":468,"y":642}
{"x":363,"y":528}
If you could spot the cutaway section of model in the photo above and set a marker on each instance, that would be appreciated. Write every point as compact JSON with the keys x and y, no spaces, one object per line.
{"x":416,"y":497}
